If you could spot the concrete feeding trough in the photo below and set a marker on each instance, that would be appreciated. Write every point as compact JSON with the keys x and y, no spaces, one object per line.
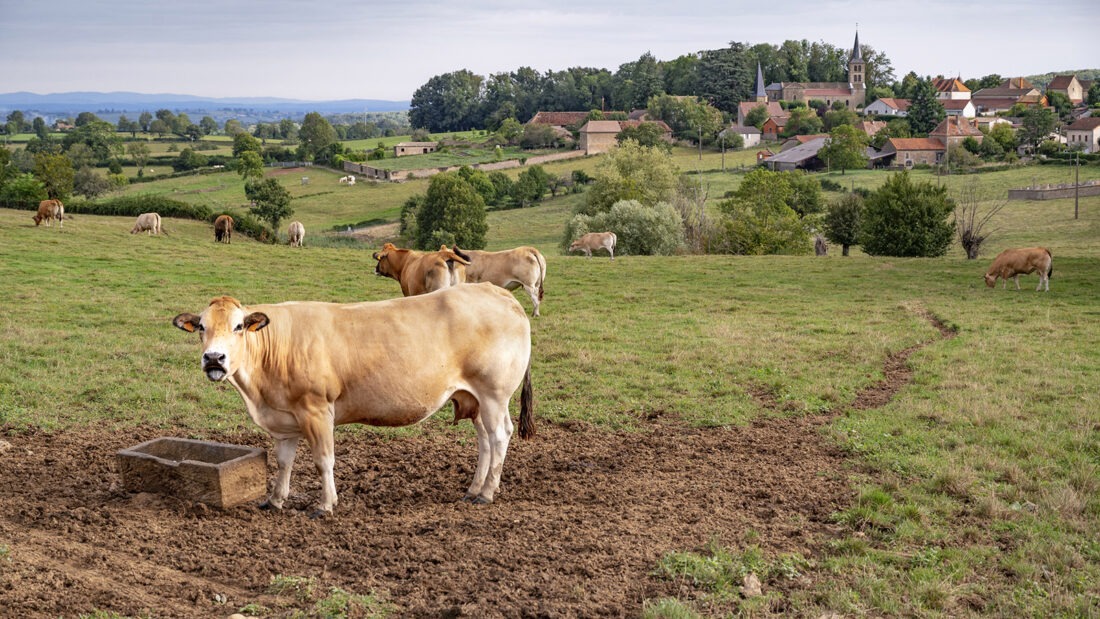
{"x":217,"y":474}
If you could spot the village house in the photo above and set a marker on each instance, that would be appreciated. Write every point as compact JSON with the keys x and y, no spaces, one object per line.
{"x":1084,"y":133}
{"x":959,"y":107}
{"x":773,"y":127}
{"x":1069,"y":86}
{"x":986,"y":123}
{"x":404,"y":149}
{"x":798,"y":140}
{"x":989,"y":101}
{"x":749,"y":135}
{"x":599,"y":136}
{"x":888,"y":106}
{"x":954,"y":130}
{"x":870,"y":127}
{"x":909,"y":152}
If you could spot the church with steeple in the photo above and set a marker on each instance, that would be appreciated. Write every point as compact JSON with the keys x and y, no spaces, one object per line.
{"x":853,"y":93}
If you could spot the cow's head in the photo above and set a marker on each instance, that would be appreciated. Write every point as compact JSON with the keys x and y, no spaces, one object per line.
{"x":990,"y":280}
{"x":37,"y":219}
{"x":222,"y":328}
{"x":387,"y":258}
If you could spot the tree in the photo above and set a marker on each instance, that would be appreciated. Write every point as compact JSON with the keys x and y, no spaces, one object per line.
{"x":315,"y":136}
{"x":23,"y":190}
{"x":250,"y":166}
{"x":726,"y":77}
{"x":846,"y":148}
{"x":1063,"y":107}
{"x":757,"y":116}
{"x":90,"y":184}
{"x":15,"y":122}
{"x":631,"y":172}
{"x":448,"y":102}
{"x":925,"y":110}
{"x":208,"y":125}
{"x":56,"y":174}
{"x":85,"y":118}
{"x":969,"y":224}
{"x":159,"y":127}
{"x":530,"y":186}
{"x":802,"y":121}
{"x":1094,"y":93}
{"x":1036,"y":124}
{"x":452,"y":213}
{"x":835,"y":118}
{"x":1003,"y":134}
{"x":907,"y":219}
{"x":271,"y":201}
{"x":646,"y":134}
{"x":40,"y":128}
{"x":233,"y":127}
{"x":759,"y":220}
{"x":189,"y":160}
{"x":805,"y":198}
{"x":100,"y":136}
{"x":842,"y":221}
{"x":139,"y":152}
{"x":242,"y":143}
{"x":688,"y":117}
{"x":145,"y":119}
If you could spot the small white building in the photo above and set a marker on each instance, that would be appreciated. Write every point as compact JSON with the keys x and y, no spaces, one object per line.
{"x":404,"y":149}
{"x":1084,"y":133}
{"x":888,"y":106}
{"x":751,"y":135}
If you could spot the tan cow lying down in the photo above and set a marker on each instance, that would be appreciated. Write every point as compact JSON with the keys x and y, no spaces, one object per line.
{"x":1016,"y":262}
{"x":304,"y":367}
{"x":296,"y":233}
{"x":419,"y":272}
{"x":147,"y":222}
{"x":49,"y":210}
{"x":509,"y":269}
{"x":595,"y":240}
{"x":223,"y":229}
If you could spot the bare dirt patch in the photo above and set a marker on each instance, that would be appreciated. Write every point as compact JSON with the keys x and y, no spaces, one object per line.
{"x":581,"y":520}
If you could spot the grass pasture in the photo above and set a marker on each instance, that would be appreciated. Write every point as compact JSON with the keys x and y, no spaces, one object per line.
{"x":975,"y":491}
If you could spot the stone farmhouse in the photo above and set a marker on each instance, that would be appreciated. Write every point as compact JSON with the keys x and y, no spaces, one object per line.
{"x":888,"y":106}
{"x":1070,"y":86}
{"x":1084,"y":132}
{"x":598,"y":136}
{"x":989,"y":101}
{"x":404,"y":149}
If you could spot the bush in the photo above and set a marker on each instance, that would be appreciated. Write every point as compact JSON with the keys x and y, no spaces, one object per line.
{"x":135,"y":205}
{"x":907,"y":219}
{"x":641,"y":230}
{"x":23,"y":192}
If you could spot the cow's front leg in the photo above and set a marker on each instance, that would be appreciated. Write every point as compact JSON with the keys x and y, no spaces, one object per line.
{"x":285,"y":450}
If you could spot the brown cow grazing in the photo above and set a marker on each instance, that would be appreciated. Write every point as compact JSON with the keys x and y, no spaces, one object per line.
{"x":147,"y":222}
{"x":296,"y":233}
{"x":49,"y":210}
{"x":303,"y":368}
{"x":596,"y":240}
{"x":1016,"y":262}
{"x":419,"y":272}
{"x":223,"y":229}
{"x":509,"y":269}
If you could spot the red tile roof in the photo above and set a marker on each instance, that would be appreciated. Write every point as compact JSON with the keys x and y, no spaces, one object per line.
{"x":1061,"y":82}
{"x":901,"y":144}
{"x":955,"y":127}
{"x":561,"y":119}
{"x":951,"y":84}
{"x":898,"y":104}
{"x":1090,"y":123}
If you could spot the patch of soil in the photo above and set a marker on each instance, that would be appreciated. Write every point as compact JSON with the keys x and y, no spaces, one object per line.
{"x":582,"y":518}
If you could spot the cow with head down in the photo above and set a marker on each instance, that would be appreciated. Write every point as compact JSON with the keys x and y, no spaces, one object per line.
{"x":147,"y":222}
{"x":419,"y":272}
{"x":303,"y":368}
{"x":510,"y":269}
{"x":1012,"y":263}
{"x":592,"y":241}
{"x":49,"y":210}
{"x":223,"y":229}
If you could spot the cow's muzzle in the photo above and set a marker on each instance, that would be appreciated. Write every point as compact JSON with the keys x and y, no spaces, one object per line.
{"x":213,"y":365}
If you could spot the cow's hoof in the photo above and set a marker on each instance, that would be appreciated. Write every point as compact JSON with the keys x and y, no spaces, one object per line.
{"x":476,"y":499}
{"x":320,"y":514}
{"x":268,"y":506}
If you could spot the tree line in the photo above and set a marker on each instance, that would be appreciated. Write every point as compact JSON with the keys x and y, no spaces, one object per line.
{"x":462,"y":100}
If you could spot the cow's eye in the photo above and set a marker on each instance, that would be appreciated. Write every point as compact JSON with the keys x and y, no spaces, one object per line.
{"x":239,"y":327}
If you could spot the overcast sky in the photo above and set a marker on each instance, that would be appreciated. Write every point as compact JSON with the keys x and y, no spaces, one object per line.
{"x":386,"y":49}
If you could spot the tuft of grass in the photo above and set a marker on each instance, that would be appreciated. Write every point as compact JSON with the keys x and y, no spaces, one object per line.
{"x":668,"y":608}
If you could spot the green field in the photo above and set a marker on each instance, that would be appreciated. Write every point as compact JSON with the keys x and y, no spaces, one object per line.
{"x":975,"y":490}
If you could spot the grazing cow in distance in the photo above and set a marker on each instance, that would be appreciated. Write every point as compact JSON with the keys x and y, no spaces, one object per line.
{"x":296,"y":233}
{"x":509,"y":269}
{"x":1016,"y":262}
{"x":49,"y":210}
{"x":147,"y":222}
{"x":419,"y":272}
{"x":223,"y":229}
{"x":351,"y":180}
{"x":303,"y":368}
{"x":347,"y":180}
{"x":596,"y":240}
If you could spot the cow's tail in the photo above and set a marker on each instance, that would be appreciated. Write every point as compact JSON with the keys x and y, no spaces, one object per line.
{"x":542,"y":271}
{"x":527,"y":406}
{"x":1050,"y":269}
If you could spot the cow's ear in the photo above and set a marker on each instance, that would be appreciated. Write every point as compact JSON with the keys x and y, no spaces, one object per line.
{"x":255,"y":321}
{"x":187,"y":322}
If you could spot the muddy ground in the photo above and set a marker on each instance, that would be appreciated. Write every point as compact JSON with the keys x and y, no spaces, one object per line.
{"x":577,"y":529}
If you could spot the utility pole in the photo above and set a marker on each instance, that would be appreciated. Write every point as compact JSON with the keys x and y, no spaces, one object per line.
{"x":700,"y":126}
{"x":1076,"y":183}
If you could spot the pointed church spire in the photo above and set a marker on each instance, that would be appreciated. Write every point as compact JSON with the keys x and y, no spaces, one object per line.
{"x":761,"y":94}
{"x":857,"y":54}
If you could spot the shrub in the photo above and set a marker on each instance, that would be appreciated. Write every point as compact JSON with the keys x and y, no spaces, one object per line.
{"x":907,"y":219}
{"x":657,"y":230}
{"x":138,"y":204}
{"x":23,"y":192}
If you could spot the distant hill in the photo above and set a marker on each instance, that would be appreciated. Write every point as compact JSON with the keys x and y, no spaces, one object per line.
{"x":109,"y":105}
{"x":1041,"y":81}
